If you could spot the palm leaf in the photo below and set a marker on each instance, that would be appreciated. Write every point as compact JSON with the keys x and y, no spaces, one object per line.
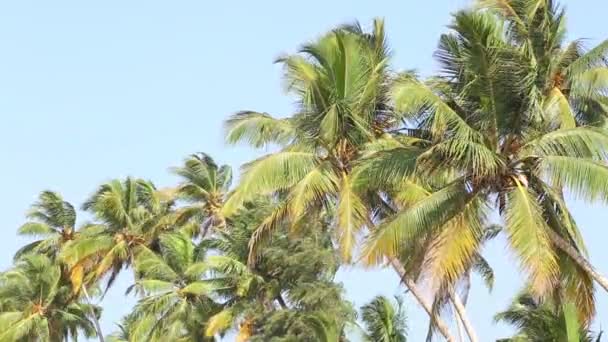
{"x":219,"y":323}
{"x":455,"y":248}
{"x":411,"y":96}
{"x":594,"y":57}
{"x":557,"y":104}
{"x":525,"y":227}
{"x":258,"y":129}
{"x":275,"y":172}
{"x":483,"y":268}
{"x":351,"y":217}
{"x":571,"y":322}
{"x":35,"y":228}
{"x":423,"y":217}
{"x":315,"y":188}
{"x":581,"y":142}
{"x":584,"y":178}
{"x":263,"y":233}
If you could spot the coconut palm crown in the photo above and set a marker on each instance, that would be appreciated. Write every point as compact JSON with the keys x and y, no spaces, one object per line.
{"x":340,"y":82}
{"x":37,"y":303}
{"x":486,"y":135}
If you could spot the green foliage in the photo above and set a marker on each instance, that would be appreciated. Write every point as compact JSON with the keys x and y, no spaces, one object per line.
{"x":131,"y":215}
{"x":303,"y":303}
{"x":37,"y":304}
{"x":388,"y":165}
{"x":340,"y":81}
{"x":544,"y":321}
{"x":384,"y":321}
{"x":507,"y":126}
{"x":176,"y":301}
{"x":52,"y":219}
{"x":204,"y":187}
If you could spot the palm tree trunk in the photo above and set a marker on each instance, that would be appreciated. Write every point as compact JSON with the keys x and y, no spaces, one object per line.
{"x":93,"y":314}
{"x":409,"y":283}
{"x":462,"y":315}
{"x":459,"y":326}
{"x":567,"y":248}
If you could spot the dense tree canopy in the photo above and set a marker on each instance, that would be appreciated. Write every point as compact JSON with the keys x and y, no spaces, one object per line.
{"x":373,"y":167}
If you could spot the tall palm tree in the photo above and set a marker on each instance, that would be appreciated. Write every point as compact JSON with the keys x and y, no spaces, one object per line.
{"x":544,"y":321}
{"x":204,"y":187}
{"x":55,"y":220}
{"x":478,"y":134}
{"x":341,"y":82}
{"x":51,"y":218}
{"x":176,"y":300}
{"x":565,"y":78}
{"x":130,"y":216}
{"x":384,"y":321}
{"x":37,"y":304}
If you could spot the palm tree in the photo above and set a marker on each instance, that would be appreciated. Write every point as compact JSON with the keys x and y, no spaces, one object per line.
{"x":51,"y":218}
{"x":177,"y":299}
{"x":37,"y":304}
{"x":384,"y":321}
{"x":204,"y":187}
{"x":131,"y":215}
{"x":566,"y":79}
{"x":341,"y":82}
{"x":544,"y":321}
{"x":477,"y":134}
{"x":55,"y":220}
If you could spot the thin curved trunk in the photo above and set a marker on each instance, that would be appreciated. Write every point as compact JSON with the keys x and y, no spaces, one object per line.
{"x":459,"y":326}
{"x":462,"y":315}
{"x":567,"y":248}
{"x":411,"y":285}
{"x":93,"y":314}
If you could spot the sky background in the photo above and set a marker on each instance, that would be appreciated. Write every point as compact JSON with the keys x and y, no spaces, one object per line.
{"x":94,"y":90}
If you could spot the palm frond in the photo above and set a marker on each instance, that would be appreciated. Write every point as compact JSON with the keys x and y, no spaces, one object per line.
{"x":411,"y":96}
{"x":219,"y":323}
{"x":456,"y":247}
{"x":269,"y":174}
{"x":526,"y":230}
{"x":35,"y":228}
{"x":351,"y":217}
{"x":558,"y":107}
{"x":483,"y":268}
{"x":313,"y":188}
{"x":597,"y":56}
{"x":424,"y":217}
{"x":258,"y":129}
{"x":585,"y":179}
{"x":263,"y":232}
{"x":580,"y":142}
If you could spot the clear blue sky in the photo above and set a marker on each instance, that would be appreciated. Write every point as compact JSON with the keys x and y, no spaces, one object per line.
{"x":90,"y":91}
